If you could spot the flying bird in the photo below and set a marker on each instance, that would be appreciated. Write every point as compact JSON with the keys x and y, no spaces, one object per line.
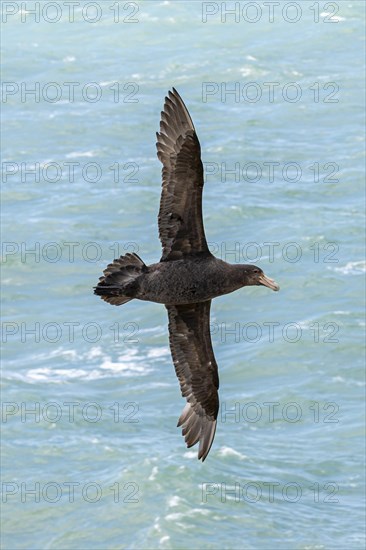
{"x":187,"y":277}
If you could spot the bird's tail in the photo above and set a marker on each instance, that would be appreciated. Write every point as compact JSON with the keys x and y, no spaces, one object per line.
{"x":117,"y":284}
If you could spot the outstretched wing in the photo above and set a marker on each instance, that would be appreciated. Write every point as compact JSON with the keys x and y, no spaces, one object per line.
{"x":196,"y":368}
{"x":180,"y":216}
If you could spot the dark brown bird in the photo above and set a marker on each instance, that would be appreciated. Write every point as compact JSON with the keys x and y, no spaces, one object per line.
{"x":187,"y":277}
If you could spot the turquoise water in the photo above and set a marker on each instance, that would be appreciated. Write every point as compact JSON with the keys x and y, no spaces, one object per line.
{"x":100,"y":462}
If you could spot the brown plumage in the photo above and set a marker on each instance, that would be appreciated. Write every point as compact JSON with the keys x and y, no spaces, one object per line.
{"x":187,"y":277}
{"x":180,"y":216}
{"x":196,"y":368}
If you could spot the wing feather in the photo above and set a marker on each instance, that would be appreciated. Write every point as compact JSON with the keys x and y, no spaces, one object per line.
{"x":181,"y":228}
{"x":196,"y":369}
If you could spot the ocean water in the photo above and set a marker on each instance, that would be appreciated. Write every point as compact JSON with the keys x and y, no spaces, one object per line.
{"x":92,"y":457}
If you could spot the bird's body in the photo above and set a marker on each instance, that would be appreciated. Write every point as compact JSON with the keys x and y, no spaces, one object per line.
{"x":195,"y":279}
{"x":187,"y":277}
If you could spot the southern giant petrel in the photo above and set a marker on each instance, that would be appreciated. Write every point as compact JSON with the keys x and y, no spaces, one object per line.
{"x":187,"y":277}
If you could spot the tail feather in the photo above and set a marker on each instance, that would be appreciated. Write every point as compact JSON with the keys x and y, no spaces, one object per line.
{"x":115,"y":285}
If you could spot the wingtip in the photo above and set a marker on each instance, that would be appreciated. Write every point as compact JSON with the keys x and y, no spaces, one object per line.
{"x":203,"y":455}
{"x":207,"y":440}
{"x":197,"y":429}
{"x":173,"y":93}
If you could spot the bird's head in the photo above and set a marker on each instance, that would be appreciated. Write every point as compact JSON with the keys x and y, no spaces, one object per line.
{"x":253,"y":275}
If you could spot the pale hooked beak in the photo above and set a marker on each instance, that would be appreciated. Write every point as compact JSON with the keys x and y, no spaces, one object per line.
{"x":266,"y":281}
